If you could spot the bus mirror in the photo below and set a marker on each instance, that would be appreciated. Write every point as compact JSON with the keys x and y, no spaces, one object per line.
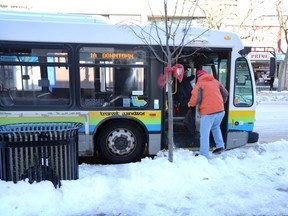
{"x":245,"y":51}
{"x":272,"y":66}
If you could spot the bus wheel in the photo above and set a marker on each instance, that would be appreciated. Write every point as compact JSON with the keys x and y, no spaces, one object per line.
{"x":121,"y":142}
{"x":253,"y":137}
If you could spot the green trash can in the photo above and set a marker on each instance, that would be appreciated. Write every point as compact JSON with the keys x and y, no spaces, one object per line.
{"x":39,"y":151}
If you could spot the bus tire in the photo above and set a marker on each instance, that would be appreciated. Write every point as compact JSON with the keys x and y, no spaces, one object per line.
{"x":253,"y":137}
{"x":121,"y":142}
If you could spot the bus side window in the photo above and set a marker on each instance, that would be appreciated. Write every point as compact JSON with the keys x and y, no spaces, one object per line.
{"x":30,"y":74}
{"x":112,"y":77}
{"x":93,"y":81}
{"x":243,"y":94}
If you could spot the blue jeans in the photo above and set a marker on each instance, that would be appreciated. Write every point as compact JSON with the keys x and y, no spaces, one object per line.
{"x":210,"y":123}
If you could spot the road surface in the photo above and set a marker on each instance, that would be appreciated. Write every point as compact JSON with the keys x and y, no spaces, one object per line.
{"x":272,"y":121}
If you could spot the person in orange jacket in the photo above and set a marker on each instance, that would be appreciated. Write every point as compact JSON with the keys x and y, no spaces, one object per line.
{"x":210,"y":95}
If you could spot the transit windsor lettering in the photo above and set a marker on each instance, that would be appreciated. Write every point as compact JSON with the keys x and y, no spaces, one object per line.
{"x":134,"y":113}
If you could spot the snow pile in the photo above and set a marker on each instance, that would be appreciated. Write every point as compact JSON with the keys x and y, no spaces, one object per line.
{"x":251,"y":180}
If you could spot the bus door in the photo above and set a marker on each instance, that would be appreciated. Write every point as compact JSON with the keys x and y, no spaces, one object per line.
{"x":187,"y":124}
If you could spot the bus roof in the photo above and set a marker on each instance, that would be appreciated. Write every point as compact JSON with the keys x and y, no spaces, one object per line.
{"x":40,"y":27}
{"x":53,"y":17}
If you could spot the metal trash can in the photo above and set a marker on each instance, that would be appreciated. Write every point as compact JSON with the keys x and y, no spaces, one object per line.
{"x":39,"y":151}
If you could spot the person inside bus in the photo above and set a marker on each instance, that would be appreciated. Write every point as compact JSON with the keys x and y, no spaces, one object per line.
{"x":184,"y":92}
{"x":210,"y":95}
{"x":185,"y":87}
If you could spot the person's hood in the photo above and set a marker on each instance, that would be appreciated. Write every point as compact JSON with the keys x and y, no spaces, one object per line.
{"x":206,"y":77}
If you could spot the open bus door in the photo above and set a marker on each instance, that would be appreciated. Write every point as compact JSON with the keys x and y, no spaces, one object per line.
{"x":237,"y":124}
{"x":186,"y":121}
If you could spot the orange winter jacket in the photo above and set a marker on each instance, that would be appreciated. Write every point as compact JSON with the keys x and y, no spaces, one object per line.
{"x":209,"y":94}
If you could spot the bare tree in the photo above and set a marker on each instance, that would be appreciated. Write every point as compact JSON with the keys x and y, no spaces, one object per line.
{"x":221,"y":14}
{"x":216,"y":13}
{"x":283,"y":22}
{"x":174,"y":31}
{"x":245,"y":14}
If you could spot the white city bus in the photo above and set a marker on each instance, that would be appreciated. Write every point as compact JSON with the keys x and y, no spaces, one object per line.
{"x":64,"y":68}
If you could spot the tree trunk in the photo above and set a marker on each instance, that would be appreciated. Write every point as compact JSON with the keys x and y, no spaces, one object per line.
{"x":281,"y":74}
{"x":170,"y":119}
